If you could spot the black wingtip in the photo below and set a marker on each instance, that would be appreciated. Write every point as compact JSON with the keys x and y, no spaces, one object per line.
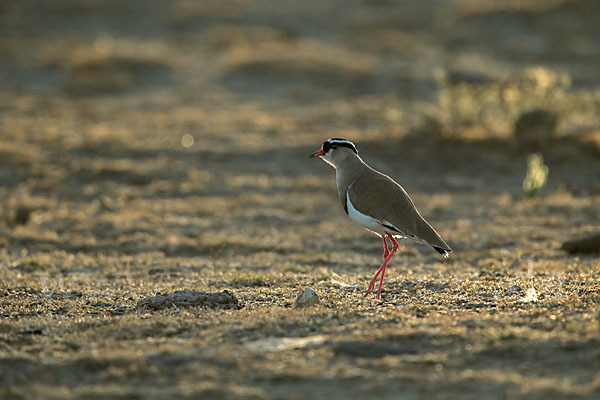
{"x":443,"y":252}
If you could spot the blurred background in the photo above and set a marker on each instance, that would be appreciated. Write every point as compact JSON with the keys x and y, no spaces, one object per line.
{"x":372,"y":69}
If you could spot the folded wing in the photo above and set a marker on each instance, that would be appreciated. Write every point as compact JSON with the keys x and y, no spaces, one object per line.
{"x":383,"y":199}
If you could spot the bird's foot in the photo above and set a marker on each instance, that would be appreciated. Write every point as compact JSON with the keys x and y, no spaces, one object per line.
{"x":371,"y":284}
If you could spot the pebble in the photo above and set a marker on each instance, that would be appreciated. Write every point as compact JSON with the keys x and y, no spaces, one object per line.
{"x":308,"y":298}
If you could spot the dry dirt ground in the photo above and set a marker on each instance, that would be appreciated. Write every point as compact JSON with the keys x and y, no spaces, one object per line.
{"x":155,"y":146}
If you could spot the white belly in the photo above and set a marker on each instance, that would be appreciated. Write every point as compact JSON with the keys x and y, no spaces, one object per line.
{"x":368,"y":222}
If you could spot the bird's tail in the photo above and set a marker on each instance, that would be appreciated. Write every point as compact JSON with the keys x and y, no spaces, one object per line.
{"x":444,"y":252}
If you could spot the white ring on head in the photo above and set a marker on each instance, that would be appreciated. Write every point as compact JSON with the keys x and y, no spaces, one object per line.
{"x":338,"y":141}
{"x":342,"y":142}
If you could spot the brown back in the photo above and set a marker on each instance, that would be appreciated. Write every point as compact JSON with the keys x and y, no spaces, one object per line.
{"x":378,"y":196}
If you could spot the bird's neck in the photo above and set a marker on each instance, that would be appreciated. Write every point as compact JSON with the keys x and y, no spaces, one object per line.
{"x":347,"y":171}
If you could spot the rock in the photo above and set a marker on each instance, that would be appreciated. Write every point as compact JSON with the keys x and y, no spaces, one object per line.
{"x":531,"y":296}
{"x":307,"y":298}
{"x":188,"y":298}
{"x":536,"y":129}
{"x":589,"y":244}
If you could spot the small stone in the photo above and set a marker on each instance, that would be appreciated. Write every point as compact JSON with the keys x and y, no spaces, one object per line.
{"x":531,"y":296}
{"x":308,"y":298}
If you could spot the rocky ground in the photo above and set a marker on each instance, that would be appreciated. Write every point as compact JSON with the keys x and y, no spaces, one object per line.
{"x":150,"y":147}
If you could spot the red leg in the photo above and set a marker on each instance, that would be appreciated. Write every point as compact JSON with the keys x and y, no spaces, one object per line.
{"x":394,"y":249}
{"x":372,"y":283}
{"x":385,"y":248}
{"x":388,"y":255}
{"x":386,"y":252}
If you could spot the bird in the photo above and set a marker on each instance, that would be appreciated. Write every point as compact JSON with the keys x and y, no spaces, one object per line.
{"x":377,"y":202}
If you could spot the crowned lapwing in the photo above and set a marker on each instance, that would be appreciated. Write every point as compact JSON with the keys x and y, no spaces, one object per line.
{"x":377,"y":202}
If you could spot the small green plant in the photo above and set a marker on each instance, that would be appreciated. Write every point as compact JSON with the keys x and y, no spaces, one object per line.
{"x":537,"y":173}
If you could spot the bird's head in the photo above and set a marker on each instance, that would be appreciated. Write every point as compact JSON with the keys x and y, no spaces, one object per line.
{"x":336,"y":150}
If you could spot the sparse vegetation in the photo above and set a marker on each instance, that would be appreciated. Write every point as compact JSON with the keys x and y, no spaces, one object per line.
{"x":537,"y":173}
